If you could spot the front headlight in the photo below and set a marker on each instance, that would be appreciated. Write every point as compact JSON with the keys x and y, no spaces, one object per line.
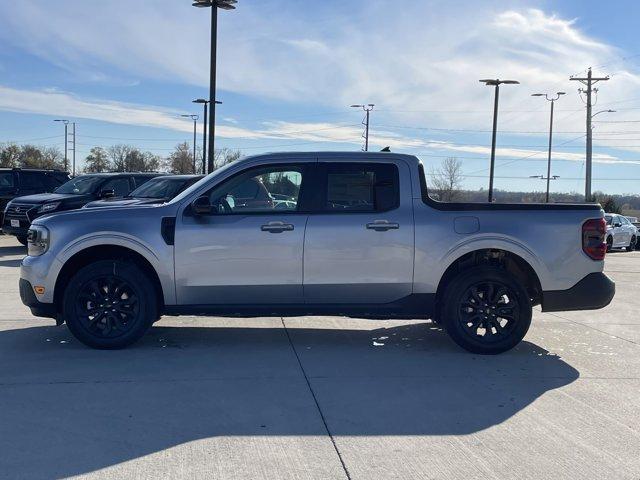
{"x":38,"y":240}
{"x":48,"y":207}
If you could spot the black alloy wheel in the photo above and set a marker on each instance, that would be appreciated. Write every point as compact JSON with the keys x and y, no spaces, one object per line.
{"x":110,"y":304}
{"x":489,"y":311}
{"x":486,"y":310}
{"x":107,"y":306}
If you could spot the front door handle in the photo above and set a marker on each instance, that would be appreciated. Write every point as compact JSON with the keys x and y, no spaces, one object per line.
{"x":277,"y":227}
{"x":382,"y":226}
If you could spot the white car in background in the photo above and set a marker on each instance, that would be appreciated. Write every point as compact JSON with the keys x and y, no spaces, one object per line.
{"x":621,"y":233}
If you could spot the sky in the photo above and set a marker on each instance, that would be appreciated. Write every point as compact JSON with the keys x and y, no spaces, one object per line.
{"x":288,"y":70}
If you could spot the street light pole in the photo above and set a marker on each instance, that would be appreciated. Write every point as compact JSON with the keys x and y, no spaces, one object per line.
{"x":496,"y":83}
{"x":204,"y":132}
{"x":66,"y":123}
{"x":367,"y":108}
{"x":73,"y":163}
{"x":214,"y":5}
{"x":553,"y":101}
{"x":195,"y":122}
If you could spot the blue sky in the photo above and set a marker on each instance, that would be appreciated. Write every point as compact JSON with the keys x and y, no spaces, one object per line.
{"x":288,"y":71}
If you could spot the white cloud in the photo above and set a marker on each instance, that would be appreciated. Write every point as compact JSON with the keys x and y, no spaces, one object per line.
{"x":416,"y":56}
{"x":66,"y":105}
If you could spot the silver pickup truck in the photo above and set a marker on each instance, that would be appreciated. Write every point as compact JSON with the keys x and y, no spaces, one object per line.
{"x":325,"y":233}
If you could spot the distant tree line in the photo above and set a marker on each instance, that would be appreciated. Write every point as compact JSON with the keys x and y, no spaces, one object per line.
{"x":116,"y":158}
{"x":30,"y":156}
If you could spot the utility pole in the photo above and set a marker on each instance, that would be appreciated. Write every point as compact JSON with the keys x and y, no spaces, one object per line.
{"x":66,"y":161}
{"x":367,"y":108}
{"x":553,"y":101}
{"x":497,"y":82}
{"x":589,"y":81}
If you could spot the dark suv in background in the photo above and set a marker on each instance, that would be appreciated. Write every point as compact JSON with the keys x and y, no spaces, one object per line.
{"x":75,"y":193}
{"x":16,"y":182}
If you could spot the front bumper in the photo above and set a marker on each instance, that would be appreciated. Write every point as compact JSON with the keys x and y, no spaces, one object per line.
{"x":38,"y":309}
{"x":20,"y":231}
{"x":594,"y":291}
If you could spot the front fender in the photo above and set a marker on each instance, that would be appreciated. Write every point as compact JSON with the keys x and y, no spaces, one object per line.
{"x":160,"y":256}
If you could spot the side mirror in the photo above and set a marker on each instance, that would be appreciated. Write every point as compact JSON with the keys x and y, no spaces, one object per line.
{"x":202,"y":206}
{"x":107,"y":193}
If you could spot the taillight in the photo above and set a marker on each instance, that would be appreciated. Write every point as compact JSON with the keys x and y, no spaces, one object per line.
{"x":593,"y":235}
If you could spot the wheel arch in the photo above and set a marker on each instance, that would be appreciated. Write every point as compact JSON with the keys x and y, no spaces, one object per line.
{"x":504,"y":259}
{"x":96,"y":253}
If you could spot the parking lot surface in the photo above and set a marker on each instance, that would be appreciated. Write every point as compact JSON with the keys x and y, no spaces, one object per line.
{"x":322,"y":398}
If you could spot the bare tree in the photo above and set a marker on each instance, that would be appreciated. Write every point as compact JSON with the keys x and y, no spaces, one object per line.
{"x":97,"y":161}
{"x":180,"y":161}
{"x":447,"y":179}
{"x":127,"y":158}
{"x":118,"y":156}
{"x":225,"y":155}
{"x":32,"y":156}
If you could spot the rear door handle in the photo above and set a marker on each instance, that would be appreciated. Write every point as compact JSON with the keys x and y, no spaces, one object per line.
{"x":277,"y":227}
{"x":382,"y":225}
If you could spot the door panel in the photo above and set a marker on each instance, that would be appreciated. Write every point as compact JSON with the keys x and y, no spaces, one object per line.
{"x":249,"y":250}
{"x":356,"y":256}
{"x":229,"y":259}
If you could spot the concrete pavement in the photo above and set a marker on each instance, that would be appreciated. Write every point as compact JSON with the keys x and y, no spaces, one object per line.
{"x":325,"y":397}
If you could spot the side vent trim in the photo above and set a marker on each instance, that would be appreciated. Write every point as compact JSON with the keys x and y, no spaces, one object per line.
{"x":168,"y":230}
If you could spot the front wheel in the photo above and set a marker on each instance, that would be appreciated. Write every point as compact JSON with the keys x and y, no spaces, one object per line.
{"x":22,"y":239}
{"x":486,"y":310}
{"x":110,"y":304}
{"x":609,"y":244}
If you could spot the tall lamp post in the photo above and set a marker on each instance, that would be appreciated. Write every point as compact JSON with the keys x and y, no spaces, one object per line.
{"x":367,"y":108}
{"x":204,"y":131}
{"x":66,"y":123}
{"x":551,"y":99}
{"x":214,"y":5}
{"x":195,"y":123}
{"x":496,"y":83}
{"x":588,"y":197}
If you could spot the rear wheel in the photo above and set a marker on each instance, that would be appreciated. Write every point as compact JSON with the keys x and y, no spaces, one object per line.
{"x":110,"y":304}
{"x":632,"y":244}
{"x":486,"y":310}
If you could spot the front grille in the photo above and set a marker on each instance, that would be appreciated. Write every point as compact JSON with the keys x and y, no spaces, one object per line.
{"x":18,"y":211}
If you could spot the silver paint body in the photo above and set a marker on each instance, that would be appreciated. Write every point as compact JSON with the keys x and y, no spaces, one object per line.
{"x":325,"y":258}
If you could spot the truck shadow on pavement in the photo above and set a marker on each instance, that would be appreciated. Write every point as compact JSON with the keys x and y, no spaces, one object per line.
{"x":67,"y":410}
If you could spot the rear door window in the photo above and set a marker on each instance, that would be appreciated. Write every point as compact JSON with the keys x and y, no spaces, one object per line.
{"x":360,"y":187}
{"x":6,"y":179}
{"x":32,"y":181}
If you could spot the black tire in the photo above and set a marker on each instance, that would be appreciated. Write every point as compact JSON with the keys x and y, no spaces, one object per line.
{"x":632,"y":244}
{"x":22,"y":239}
{"x":609,"y":244}
{"x":110,"y":304}
{"x":499,"y":322}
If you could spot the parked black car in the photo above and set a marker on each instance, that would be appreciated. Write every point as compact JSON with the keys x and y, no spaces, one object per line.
{"x":157,"y":190}
{"x":75,"y":193}
{"x":16,"y":182}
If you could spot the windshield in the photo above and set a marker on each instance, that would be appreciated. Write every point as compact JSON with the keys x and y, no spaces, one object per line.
{"x":80,"y":185}
{"x":160,"y":188}
{"x":204,"y":181}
